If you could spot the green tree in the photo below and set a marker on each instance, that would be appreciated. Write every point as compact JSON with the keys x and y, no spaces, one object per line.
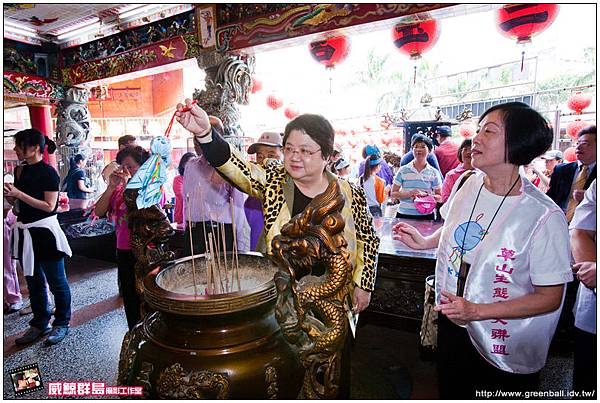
{"x":567,"y":79}
{"x":394,"y":89}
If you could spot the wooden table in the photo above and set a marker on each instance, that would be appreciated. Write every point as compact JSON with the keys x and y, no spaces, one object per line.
{"x":401,"y":272}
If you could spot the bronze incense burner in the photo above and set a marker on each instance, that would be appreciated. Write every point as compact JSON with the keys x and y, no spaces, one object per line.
{"x":280,"y":334}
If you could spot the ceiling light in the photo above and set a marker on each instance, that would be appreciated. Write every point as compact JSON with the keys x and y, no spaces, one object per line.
{"x":79,"y":32}
{"x":19,"y":26}
{"x":78,"y":26}
{"x":19,"y":31}
{"x":129,"y":7}
{"x":138,"y":10}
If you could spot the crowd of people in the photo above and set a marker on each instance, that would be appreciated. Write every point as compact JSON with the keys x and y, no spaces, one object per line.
{"x":504,"y":252}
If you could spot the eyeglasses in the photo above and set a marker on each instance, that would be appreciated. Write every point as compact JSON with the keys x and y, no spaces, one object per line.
{"x":303,"y":152}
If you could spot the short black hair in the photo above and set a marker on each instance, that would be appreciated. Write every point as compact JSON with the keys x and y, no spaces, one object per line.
{"x":184,"y":160}
{"x":317,"y":128}
{"x":588,"y":130}
{"x":416,"y":138}
{"x":466,"y":143}
{"x":126,"y":139}
{"x":527,"y":134}
{"x":138,"y":154}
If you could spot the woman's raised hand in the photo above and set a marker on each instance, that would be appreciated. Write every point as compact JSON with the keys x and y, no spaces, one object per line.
{"x":409,"y":235}
{"x":119,"y":176}
{"x":193,"y":118}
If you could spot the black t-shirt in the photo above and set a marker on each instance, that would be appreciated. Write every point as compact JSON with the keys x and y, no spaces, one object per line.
{"x":300,"y":201}
{"x":72,"y":179}
{"x":34,"y":180}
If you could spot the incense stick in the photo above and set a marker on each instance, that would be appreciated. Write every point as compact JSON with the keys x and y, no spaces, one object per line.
{"x":235,"y":251}
{"x":212,"y":264}
{"x":206,"y":254}
{"x":214,"y":242}
{"x":189,"y":216}
{"x":225,"y":257}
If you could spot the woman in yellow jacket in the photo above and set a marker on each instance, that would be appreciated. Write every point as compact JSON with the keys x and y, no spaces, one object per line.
{"x":286,"y":190}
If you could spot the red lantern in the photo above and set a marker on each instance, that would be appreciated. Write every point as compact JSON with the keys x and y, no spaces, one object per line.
{"x":575,"y":127}
{"x":569,"y":154}
{"x":579,"y":101}
{"x":274,"y":102}
{"x":415,"y":38}
{"x":524,"y":21}
{"x":291,"y":112}
{"x":256,"y":85}
{"x":330,"y":51}
{"x":467,"y":130}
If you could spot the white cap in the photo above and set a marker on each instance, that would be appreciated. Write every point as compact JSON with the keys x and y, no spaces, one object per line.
{"x":268,"y":139}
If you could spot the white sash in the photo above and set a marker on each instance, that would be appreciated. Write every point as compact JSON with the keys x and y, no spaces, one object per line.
{"x":50,"y":223}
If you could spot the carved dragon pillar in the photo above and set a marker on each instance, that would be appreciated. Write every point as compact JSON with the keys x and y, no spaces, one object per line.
{"x":227,"y":84}
{"x":73,"y":129}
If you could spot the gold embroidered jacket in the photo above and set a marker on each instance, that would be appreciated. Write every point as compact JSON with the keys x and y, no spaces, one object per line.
{"x":275,"y":188}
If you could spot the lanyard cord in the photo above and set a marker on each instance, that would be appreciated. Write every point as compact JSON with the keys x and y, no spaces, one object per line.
{"x":462,"y":248}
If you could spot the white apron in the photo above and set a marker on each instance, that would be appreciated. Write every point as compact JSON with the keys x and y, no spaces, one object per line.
{"x":527,"y":244}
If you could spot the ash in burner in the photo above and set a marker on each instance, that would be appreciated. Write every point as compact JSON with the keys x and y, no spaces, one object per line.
{"x":254,"y":271}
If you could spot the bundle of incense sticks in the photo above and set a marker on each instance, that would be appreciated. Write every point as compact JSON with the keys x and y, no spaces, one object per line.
{"x":215,"y":258}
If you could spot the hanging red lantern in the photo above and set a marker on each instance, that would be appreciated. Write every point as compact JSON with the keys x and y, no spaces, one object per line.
{"x":524,"y":21}
{"x":274,"y":102}
{"x":291,"y":112}
{"x":415,"y":38}
{"x":467,"y":130}
{"x":579,"y":101}
{"x":256,"y":85}
{"x":569,"y":154}
{"x":330,"y":51}
{"x":574,"y":127}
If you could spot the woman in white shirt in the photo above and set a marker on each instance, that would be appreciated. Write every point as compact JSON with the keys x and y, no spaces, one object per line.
{"x":502,"y":261}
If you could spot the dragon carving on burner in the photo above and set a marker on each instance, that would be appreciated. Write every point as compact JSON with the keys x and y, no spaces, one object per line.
{"x":311,"y":310}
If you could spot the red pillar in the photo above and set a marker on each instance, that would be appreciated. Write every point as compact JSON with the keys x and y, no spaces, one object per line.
{"x":41,"y":119}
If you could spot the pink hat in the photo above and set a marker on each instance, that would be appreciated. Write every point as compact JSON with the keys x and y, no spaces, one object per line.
{"x":268,"y":139}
